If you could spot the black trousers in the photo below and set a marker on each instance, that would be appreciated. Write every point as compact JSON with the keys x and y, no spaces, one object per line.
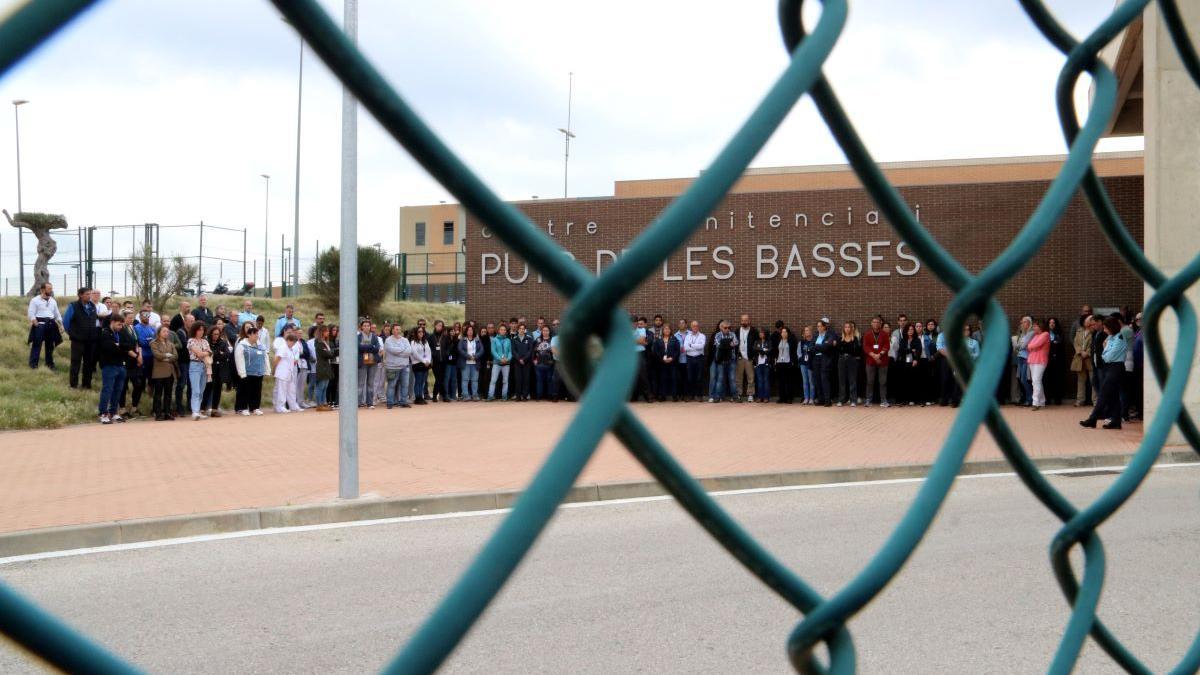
{"x":950,"y":391}
{"x":439,"y":380}
{"x":211,"y":400}
{"x":183,"y":391}
{"x":785,"y":379}
{"x":83,"y":361}
{"x":643,"y":381}
{"x":162,"y":387}
{"x":520,"y":378}
{"x":1108,"y":401}
{"x":249,"y":393}
{"x":823,"y":378}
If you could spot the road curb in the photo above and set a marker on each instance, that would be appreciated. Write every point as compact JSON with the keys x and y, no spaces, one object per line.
{"x":68,"y":537}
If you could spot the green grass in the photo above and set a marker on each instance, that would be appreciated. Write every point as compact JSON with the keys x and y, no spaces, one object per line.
{"x":40,"y":399}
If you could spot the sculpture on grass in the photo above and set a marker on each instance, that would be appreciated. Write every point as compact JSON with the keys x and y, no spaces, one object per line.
{"x":40,"y":225}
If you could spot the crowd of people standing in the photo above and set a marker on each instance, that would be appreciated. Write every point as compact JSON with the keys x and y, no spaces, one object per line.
{"x":187,"y":362}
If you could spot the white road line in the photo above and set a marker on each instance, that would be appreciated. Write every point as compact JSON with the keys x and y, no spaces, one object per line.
{"x":493,"y":512}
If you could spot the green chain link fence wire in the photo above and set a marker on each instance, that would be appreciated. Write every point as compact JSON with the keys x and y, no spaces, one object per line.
{"x":604,"y":385}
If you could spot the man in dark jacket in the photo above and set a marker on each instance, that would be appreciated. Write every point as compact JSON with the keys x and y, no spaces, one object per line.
{"x":183,"y":387}
{"x":115,"y":346}
{"x":202,"y":312}
{"x":83,"y":327}
{"x":485,"y":364}
{"x":744,"y":370}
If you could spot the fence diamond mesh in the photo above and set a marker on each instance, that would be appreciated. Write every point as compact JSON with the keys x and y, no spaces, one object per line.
{"x":604,"y":383}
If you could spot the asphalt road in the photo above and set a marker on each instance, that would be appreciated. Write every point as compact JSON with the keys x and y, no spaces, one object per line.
{"x":639,"y":588}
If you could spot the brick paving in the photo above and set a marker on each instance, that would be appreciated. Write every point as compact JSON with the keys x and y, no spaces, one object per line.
{"x":88,"y":474}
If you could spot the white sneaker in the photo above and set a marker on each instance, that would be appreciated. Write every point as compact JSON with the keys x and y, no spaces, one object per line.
{"x":885,"y":404}
{"x":258,"y":411}
{"x":927,"y":404}
{"x":853,"y":404}
{"x":839,"y":404}
{"x":867,"y":404}
{"x":195,"y":416}
{"x":712,"y":400}
{"x":283,"y":412}
{"x":245,"y":413}
{"x":749,"y":399}
{"x":105,"y":419}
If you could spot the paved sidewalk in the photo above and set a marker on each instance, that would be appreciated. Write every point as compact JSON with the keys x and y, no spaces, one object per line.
{"x":90,"y":474}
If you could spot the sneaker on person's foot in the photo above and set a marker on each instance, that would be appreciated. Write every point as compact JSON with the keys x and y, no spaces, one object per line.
{"x":244,"y":413}
{"x":118,"y":418}
{"x":105,"y":419}
{"x":258,"y":411}
{"x":885,"y":404}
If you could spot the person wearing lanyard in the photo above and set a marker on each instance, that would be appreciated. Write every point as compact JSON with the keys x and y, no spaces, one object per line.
{"x":115,"y":346}
{"x":45,"y":325}
{"x":470,"y":354}
{"x":1108,"y":401}
{"x":693,"y":351}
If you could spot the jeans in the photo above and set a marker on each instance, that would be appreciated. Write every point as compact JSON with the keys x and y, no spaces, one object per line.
{"x":449,"y":383}
{"x":311,"y":393}
{"x":497,"y":371}
{"x":198,"y":379}
{"x":724,"y":380}
{"x":1036,"y":372}
{"x":112,"y":381}
{"x":321,"y":392}
{"x":712,"y":379}
{"x":420,"y":383}
{"x":806,"y":375}
{"x":470,"y":380}
{"x":397,"y":385}
{"x":545,"y":381}
{"x":848,"y":379}
{"x":366,"y":389}
{"x":762,"y":382}
{"x":1026,"y":386}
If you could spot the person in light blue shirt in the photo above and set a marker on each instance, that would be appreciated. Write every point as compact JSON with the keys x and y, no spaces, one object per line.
{"x":501,"y":362}
{"x":289,"y":318}
{"x":1112,"y":365}
{"x":247,"y":314}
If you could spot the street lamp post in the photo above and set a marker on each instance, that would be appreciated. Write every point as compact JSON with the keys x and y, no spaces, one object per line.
{"x":296,"y":231}
{"x":348,"y":487}
{"x":20,"y":230}
{"x":567,"y":133}
{"x":266,"y":229}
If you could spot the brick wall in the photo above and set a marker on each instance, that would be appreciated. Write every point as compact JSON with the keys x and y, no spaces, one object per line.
{"x":974,"y":222}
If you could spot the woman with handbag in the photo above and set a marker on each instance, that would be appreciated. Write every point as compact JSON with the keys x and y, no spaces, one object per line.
{"x":368,"y":356}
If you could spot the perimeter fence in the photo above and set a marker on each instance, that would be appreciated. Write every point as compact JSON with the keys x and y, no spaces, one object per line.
{"x":604,"y":384}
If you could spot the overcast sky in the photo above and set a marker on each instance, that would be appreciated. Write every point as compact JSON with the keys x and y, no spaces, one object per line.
{"x":168,"y":112}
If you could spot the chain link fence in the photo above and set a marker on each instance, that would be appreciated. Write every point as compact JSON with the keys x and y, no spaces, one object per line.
{"x":604,"y":383}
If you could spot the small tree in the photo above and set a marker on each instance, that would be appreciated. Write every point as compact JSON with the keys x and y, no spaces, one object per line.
{"x":159,"y":280}
{"x":376,"y":278}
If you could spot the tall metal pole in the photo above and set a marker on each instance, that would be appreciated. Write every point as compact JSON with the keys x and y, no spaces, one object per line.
{"x":567,"y":133}
{"x":243,"y":257}
{"x":348,"y":278}
{"x":266,"y":230}
{"x":20,"y":230}
{"x":296,"y":232}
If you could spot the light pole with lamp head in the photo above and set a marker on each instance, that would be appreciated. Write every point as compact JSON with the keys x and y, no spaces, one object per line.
{"x":266,"y":229}
{"x":17,"y":103}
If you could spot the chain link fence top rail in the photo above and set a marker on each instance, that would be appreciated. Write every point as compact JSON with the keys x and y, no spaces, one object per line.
{"x":604,"y":384}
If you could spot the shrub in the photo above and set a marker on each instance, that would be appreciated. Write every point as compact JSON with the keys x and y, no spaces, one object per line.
{"x":376,"y":278}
